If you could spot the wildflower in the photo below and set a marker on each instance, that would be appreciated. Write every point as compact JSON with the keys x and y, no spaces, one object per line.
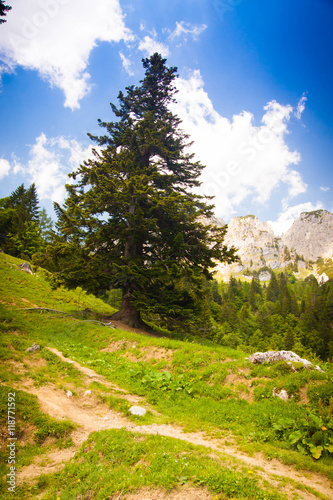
{"x":323,"y":428}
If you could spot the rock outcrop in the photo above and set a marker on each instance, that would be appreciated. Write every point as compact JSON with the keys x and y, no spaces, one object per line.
{"x":259,"y":249}
{"x":257,"y":246}
{"x":274,"y":356}
{"x":311,"y":235}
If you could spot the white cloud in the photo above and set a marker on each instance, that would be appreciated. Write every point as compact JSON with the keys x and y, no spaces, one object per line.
{"x":4,"y":167}
{"x":51,"y":162}
{"x":242,"y":160}
{"x":151,"y":45}
{"x":126,"y":64}
{"x":183,"y":29}
{"x":290,"y":214}
{"x":325,"y":188}
{"x":13,"y":166}
{"x":56,"y":37}
{"x":301,"y":106}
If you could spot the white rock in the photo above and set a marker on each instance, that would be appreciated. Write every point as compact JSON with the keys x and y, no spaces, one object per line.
{"x":69,"y":394}
{"x":137,"y":410}
{"x":87,"y":393}
{"x":273,"y":356}
{"x":282,"y":394}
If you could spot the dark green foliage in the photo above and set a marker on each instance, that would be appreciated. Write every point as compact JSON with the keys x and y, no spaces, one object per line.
{"x":3,"y":10}
{"x":131,"y":220}
{"x":311,"y":435}
{"x":22,"y":225}
{"x":288,"y":314}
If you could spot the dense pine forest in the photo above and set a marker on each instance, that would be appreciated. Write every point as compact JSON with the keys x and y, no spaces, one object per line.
{"x":286,"y":314}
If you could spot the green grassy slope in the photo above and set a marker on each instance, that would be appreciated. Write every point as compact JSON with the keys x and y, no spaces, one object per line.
{"x":198,"y":385}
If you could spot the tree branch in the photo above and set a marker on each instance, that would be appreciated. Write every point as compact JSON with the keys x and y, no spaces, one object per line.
{"x":67,"y":314}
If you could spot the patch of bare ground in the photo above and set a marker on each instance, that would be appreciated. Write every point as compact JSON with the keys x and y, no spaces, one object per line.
{"x":8,"y":303}
{"x":119,"y":345}
{"x":14,"y":332}
{"x":100,"y":417}
{"x":28,"y":302}
{"x":148,"y":353}
{"x":181,"y":493}
{"x":122,"y":326}
{"x":17,"y":367}
{"x":303,"y":396}
{"x":242,"y":386}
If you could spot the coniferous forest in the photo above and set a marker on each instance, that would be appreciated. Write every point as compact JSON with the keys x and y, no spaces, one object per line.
{"x":131,"y":232}
{"x":285,"y":314}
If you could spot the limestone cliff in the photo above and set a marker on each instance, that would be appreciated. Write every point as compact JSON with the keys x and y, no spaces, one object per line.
{"x":311,"y":235}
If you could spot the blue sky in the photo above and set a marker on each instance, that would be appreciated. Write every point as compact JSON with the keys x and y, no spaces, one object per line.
{"x":255,"y":83}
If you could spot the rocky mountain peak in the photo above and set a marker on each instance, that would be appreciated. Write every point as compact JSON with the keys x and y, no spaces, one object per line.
{"x":311,"y":235}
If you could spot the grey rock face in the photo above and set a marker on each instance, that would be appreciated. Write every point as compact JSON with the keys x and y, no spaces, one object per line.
{"x":312,"y":235}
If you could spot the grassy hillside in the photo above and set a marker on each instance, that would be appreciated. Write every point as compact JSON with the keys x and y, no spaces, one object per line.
{"x":187,"y":384}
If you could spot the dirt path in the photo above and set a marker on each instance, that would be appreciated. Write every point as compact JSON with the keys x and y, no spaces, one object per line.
{"x":91,"y":415}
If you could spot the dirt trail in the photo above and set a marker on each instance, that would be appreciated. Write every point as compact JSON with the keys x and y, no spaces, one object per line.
{"x":92,"y":415}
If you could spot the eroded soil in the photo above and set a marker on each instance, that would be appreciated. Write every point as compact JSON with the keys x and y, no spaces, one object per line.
{"x":91,"y":415}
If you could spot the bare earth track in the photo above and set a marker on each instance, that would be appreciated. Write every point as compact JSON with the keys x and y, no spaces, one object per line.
{"x":91,"y":415}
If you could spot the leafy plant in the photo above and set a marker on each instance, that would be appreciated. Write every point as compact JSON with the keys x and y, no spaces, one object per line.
{"x":311,"y":435}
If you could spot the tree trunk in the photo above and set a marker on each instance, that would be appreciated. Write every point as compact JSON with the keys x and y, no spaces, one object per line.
{"x":128,"y":314}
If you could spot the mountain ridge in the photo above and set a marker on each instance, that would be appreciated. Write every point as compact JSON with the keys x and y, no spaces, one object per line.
{"x":308,"y":239}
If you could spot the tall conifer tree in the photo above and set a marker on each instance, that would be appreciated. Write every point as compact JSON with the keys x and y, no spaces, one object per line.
{"x":131,"y":215}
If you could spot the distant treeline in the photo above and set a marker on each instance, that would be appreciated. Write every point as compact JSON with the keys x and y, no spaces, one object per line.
{"x":286,"y":314}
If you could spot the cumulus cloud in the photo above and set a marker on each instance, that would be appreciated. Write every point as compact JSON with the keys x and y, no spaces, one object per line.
{"x":150,"y":45}
{"x":10,"y":167}
{"x":243,"y":160}
{"x":5,"y":167}
{"x":56,"y":37}
{"x":51,"y":160}
{"x":185,"y":29}
{"x":290,"y":214}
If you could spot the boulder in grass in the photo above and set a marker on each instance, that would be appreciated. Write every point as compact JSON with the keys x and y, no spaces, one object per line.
{"x":25,"y":267}
{"x":33,"y":348}
{"x":281,"y":394}
{"x":274,"y":356}
{"x":137,"y":410}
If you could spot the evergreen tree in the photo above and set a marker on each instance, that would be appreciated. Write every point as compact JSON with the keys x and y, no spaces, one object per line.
{"x":46,"y":226}
{"x":254,"y":292}
{"x":20,"y":233}
{"x":272,"y":289}
{"x":131,"y":215}
{"x":3,"y":10}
